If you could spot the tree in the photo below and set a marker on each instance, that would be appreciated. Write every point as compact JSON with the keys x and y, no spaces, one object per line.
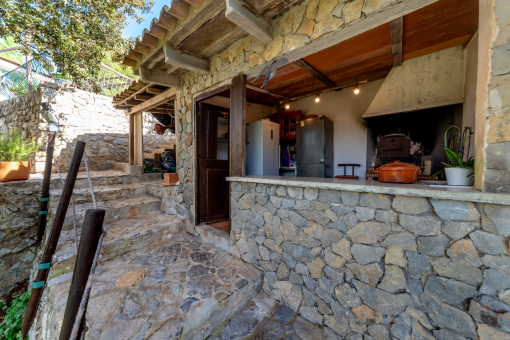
{"x":75,"y":35}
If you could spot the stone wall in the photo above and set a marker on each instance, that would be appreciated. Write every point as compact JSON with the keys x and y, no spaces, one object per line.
{"x":83,"y":116}
{"x":493,"y":98}
{"x":309,"y":22}
{"x":379,"y":265}
{"x":18,"y":240}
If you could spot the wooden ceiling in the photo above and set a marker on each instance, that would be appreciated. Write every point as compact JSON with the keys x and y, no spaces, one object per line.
{"x":368,"y":56}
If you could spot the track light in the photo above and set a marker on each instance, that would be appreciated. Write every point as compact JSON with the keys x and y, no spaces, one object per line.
{"x":287,"y":106}
{"x":355,"y":89}
{"x":317,"y":98}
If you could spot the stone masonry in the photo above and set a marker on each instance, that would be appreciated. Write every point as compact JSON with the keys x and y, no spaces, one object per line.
{"x":84,"y":116}
{"x":303,"y":24}
{"x":379,"y":265}
{"x":18,"y":223}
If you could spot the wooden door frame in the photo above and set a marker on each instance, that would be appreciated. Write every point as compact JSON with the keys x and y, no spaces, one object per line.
{"x":196,"y":103}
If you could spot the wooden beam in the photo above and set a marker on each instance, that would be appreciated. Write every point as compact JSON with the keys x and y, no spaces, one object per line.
{"x":153,"y":102}
{"x":138,"y":138}
{"x":142,"y":97}
{"x":237,"y":127}
{"x":158,"y":77}
{"x":397,"y":31}
{"x":186,"y":61}
{"x":310,"y":69}
{"x":153,"y":90}
{"x":245,"y":19}
{"x":258,"y":89}
{"x":131,"y":140}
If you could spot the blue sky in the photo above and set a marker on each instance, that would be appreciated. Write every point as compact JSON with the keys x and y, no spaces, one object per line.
{"x":134,"y":29}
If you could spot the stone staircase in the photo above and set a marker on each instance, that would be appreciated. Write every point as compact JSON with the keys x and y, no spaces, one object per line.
{"x":153,"y":280}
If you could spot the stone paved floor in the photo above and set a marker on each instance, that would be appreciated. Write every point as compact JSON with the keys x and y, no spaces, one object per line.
{"x":154,"y":281}
{"x":265,"y":319}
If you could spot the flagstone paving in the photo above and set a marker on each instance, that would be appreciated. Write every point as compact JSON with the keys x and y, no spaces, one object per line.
{"x":153,"y":281}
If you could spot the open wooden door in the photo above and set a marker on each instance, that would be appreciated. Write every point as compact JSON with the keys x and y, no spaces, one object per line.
{"x":213,"y":165}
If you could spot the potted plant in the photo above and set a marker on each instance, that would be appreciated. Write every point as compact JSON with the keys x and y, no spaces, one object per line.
{"x":14,"y":152}
{"x":458,"y":172}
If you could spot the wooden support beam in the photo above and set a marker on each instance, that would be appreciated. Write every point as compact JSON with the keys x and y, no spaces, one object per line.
{"x":186,"y":61}
{"x":142,"y":97}
{"x":237,"y":126}
{"x":245,"y":19}
{"x":153,"y":90}
{"x":153,"y":102}
{"x":397,"y":31}
{"x":158,"y":77}
{"x":310,"y":69}
{"x":131,"y":140}
{"x":138,"y":138}
{"x":258,"y":89}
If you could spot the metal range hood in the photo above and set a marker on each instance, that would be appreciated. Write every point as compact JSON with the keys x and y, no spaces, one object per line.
{"x":432,"y":80}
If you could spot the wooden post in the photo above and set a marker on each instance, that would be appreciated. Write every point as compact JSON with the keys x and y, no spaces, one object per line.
{"x":138,"y":138}
{"x":89,"y":241}
{"x":131,"y":139}
{"x":51,"y":245}
{"x":237,"y":127}
{"x":45,"y":192}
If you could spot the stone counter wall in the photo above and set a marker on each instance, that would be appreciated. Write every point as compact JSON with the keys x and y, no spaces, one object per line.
{"x":18,"y":224}
{"x":84,"y":116}
{"x":378,"y":265}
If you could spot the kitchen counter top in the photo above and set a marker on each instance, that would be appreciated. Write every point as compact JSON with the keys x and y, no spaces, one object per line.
{"x":419,"y":189}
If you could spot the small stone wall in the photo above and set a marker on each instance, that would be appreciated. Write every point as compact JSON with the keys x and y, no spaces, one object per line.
{"x":84,"y":116}
{"x":381,"y":265}
{"x":18,"y":239}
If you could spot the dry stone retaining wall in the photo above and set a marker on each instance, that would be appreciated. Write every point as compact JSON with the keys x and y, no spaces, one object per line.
{"x":379,"y":265}
{"x":84,"y":116}
{"x":18,"y":223}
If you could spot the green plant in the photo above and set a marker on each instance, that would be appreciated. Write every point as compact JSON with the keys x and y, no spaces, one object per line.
{"x":16,"y":148}
{"x":11,"y":327}
{"x":456,"y":158}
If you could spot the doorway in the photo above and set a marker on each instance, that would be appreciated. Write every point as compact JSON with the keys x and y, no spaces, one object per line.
{"x":213,"y":165}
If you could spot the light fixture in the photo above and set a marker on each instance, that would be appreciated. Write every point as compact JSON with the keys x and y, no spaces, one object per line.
{"x":317,"y":98}
{"x":355,"y":89}
{"x":287,"y":106}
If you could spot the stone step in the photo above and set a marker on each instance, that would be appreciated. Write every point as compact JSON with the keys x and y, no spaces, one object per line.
{"x":102,"y":193}
{"x":150,"y":284}
{"x":98,"y":178}
{"x":115,"y":209}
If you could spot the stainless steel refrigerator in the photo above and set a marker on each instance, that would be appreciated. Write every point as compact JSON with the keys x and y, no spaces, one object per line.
{"x":314,"y":144}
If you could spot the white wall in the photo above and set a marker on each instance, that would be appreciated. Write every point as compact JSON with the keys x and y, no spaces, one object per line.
{"x":345,"y":109}
{"x":254,"y":112}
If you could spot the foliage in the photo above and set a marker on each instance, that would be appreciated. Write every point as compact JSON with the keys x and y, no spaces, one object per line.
{"x":15,"y":143}
{"x":125,"y":70}
{"x":16,"y":55}
{"x":76,"y":35}
{"x":456,"y":159}
{"x":11,"y":327}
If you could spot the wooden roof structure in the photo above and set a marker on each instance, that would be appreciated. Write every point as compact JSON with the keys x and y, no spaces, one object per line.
{"x":183,"y":31}
{"x":146,"y":97}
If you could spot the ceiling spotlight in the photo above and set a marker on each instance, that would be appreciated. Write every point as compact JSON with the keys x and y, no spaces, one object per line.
{"x":287,"y":106}
{"x":355,"y":89}
{"x":317,"y":98}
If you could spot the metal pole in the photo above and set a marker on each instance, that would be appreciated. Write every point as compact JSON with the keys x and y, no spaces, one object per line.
{"x":45,"y":192}
{"x":51,"y":245}
{"x":90,"y":235}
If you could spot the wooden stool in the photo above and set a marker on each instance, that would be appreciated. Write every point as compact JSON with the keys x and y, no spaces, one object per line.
{"x":345,"y":170}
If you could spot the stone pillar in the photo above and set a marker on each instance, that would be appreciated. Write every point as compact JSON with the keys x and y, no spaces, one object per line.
{"x":492,"y":137}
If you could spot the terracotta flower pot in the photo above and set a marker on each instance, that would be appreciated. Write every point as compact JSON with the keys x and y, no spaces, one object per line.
{"x":14,"y":171}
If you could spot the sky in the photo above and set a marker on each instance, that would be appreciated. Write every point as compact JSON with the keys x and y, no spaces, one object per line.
{"x":134,"y":29}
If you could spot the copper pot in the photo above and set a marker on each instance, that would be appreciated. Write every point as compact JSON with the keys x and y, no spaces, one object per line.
{"x":397,"y":172}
